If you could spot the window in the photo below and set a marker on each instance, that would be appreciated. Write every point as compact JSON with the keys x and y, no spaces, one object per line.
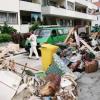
{"x":66,"y":22}
{"x":60,"y":31}
{"x":45,"y":2}
{"x":10,"y":18}
{"x":54,"y":33}
{"x":53,"y":3}
{"x":27,"y":0}
{"x":70,"y":5}
{"x":3,"y":17}
{"x":44,"y":33}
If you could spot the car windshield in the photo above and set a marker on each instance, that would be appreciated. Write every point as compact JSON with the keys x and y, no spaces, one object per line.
{"x":44,"y":33}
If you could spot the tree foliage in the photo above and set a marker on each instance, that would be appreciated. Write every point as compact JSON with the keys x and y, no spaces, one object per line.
{"x":7,"y":29}
{"x":96,"y":28}
{"x":34,"y":26}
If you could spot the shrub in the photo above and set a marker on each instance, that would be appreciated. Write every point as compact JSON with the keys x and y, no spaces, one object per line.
{"x":5,"y":38}
{"x":34,"y":26}
{"x":15,"y":37}
{"x":20,"y":38}
{"x":7,"y":29}
{"x":96,"y":28}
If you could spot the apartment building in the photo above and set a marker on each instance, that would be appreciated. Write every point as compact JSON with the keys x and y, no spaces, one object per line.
{"x":97,"y":13}
{"x":20,"y":13}
{"x":95,"y":0}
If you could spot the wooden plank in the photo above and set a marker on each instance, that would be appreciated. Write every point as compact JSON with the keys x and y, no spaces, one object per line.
{"x":26,"y":66}
{"x":77,"y":38}
{"x":22,"y":65}
{"x":69,"y":34}
{"x":88,"y":46}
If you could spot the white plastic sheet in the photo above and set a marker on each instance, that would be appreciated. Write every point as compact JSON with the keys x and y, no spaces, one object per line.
{"x":9,"y":83}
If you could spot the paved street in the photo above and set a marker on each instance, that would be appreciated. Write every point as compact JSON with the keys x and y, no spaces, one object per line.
{"x":23,"y":59}
{"x":89,"y":86}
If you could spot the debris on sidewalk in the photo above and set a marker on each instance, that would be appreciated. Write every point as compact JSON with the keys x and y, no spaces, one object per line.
{"x":60,"y":70}
{"x":9,"y":49}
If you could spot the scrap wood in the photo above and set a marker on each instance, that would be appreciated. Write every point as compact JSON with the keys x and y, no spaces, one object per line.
{"x":13,"y":47}
{"x":68,"y":89}
{"x":26,"y":66}
{"x":69,"y":34}
{"x":21,"y":88}
{"x":22,"y":65}
{"x":98,"y":56}
{"x":70,"y":78}
{"x":94,"y":34}
{"x":77,"y":38}
{"x":3,"y":52}
{"x":88,"y":46}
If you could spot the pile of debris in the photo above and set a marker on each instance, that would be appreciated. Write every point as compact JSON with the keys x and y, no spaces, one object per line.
{"x":59,"y":81}
{"x":11,"y":48}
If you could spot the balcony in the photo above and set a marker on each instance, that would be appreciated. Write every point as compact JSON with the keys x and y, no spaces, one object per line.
{"x":86,"y":3}
{"x":51,"y":10}
{"x":30,"y":6}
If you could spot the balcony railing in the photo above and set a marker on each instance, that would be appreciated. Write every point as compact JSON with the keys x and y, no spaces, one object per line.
{"x":86,"y":3}
{"x":51,"y":10}
{"x":29,"y":6}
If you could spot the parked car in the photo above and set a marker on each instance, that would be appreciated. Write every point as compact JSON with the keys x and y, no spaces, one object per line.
{"x":50,"y":34}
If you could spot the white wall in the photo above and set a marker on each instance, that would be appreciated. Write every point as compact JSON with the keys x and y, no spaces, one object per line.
{"x":9,"y":5}
{"x":71,"y":0}
{"x":28,"y":6}
{"x":95,"y":0}
{"x":97,"y":21}
{"x":50,"y":10}
{"x":24,"y":28}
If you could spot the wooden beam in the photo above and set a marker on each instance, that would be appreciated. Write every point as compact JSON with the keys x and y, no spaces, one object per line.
{"x":88,"y":46}
{"x":77,"y":38}
{"x":69,"y":34}
{"x":26,"y":66}
{"x":22,"y":65}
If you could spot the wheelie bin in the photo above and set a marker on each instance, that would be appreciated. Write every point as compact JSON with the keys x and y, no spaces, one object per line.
{"x":47,"y":51}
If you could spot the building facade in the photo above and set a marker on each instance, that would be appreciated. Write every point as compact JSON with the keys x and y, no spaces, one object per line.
{"x":20,"y":13}
{"x":95,"y":0}
{"x":97,"y":13}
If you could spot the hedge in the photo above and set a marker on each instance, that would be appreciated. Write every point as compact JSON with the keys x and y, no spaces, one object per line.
{"x":20,"y":38}
{"x":5,"y":38}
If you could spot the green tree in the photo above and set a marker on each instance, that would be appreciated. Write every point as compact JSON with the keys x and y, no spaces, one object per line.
{"x":35,"y":25}
{"x":96,"y":28}
{"x":7,"y":29}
